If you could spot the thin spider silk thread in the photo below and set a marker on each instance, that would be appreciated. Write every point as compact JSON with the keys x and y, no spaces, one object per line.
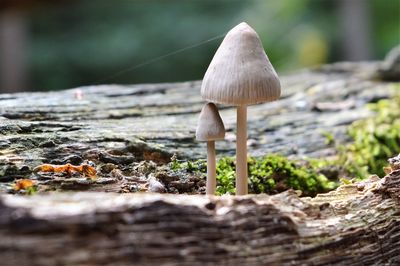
{"x":158,"y":58}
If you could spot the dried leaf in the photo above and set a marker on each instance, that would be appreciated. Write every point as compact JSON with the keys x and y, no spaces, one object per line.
{"x":23,"y":184}
{"x":86,"y":169}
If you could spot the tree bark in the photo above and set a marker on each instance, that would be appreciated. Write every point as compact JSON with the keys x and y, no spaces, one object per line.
{"x":356,"y":224}
{"x":129,"y":131}
{"x":129,"y":128}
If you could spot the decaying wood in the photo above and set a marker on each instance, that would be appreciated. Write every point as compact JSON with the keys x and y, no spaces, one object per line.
{"x":117,"y":127}
{"x":131,"y":131}
{"x":357,"y":224}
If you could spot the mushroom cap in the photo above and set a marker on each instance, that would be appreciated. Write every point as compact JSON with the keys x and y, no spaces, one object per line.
{"x":240,"y":72}
{"x":210,"y":126}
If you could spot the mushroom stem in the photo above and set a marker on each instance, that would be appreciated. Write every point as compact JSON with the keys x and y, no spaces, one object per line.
{"x":211,"y":169}
{"x":241,"y":151}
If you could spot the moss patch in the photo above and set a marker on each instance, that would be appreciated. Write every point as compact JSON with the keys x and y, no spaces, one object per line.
{"x":270,"y":174}
{"x":375,"y":139}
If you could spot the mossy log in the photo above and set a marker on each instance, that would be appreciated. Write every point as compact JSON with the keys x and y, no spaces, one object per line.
{"x":130,"y":131}
{"x":357,"y":224}
{"x":118,"y":127}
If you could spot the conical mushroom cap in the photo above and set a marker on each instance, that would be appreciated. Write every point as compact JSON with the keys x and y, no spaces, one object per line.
{"x":240,"y":72}
{"x":210,"y":126}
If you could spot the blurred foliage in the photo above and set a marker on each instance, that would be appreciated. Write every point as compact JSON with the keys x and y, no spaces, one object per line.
{"x":87,"y":42}
{"x":375,"y":139}
{"x":90,"y":41}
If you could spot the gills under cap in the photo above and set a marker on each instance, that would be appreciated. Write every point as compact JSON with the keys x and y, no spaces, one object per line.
{"x":240,"y":72}
{"x":210,"y":126}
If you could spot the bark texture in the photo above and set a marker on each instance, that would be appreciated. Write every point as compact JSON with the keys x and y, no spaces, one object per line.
{"x":356,"y":224}
{"x":119,"y":127}
{"x":129,"y":131}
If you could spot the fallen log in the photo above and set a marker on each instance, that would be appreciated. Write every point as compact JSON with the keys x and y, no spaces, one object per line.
{"x":356,"y":224}
{"x":117,"y":127}
{"x":129,"y":131}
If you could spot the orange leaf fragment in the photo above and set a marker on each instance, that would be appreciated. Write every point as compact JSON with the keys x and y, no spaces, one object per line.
{"x":23,"y":184}
{"x":86,"y":169}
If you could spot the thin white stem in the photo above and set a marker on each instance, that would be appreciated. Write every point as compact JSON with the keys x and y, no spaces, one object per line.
{"x":211,"y":169}
{"x":241,"y":151}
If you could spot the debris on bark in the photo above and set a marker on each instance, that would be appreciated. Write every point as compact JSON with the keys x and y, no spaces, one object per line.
{"x":136,"y":129}
{"x":356,"y":224}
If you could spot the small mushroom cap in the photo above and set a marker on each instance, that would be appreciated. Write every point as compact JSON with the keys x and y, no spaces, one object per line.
{"x":210,"y":126}
{"x":240,"y":72}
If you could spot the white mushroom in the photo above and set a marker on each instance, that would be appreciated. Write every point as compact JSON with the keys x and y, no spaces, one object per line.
{"x":241,"y":74}
{"x":210,"y":128}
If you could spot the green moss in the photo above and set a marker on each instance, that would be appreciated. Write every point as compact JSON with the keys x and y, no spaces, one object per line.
{"x":329,"y":138}
{"x":275,"y":173}
{"x":375,"y":139}
{"x":270,"y":174}
{"x":226,"y":175}
{"x":199,"y":166}
{"x":31,"y":190}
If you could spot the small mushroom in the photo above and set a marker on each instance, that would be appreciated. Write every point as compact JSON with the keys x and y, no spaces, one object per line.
{"x":210,"y":128}
{"x":241,"y":74}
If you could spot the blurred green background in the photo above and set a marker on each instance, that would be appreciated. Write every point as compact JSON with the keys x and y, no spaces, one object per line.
{"x":52,"y":45}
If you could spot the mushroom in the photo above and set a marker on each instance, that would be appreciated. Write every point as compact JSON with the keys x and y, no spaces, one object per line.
{"x":241,"y":74}
{"x":210,"y":128}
